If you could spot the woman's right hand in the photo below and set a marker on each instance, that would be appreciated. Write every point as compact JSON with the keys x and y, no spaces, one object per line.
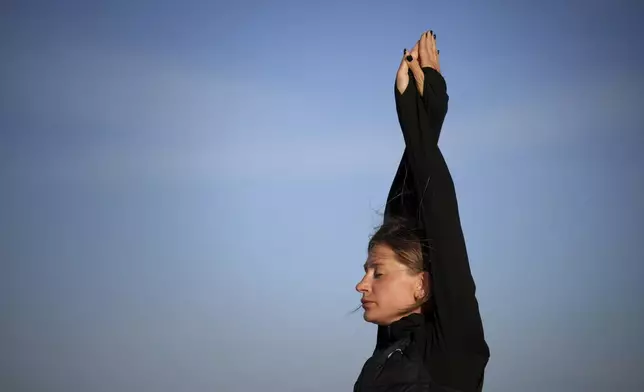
{"x":429,"y":55}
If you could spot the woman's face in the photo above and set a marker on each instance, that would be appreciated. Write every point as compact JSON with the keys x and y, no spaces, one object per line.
{"x":388,"y":287}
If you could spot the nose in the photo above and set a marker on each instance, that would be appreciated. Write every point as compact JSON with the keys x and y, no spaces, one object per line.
{"x":362,"y":286}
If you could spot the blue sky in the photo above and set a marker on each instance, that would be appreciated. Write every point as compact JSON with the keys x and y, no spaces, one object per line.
{"x":187,"y":190}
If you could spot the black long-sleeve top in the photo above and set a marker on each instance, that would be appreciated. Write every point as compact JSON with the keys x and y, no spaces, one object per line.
{"x":455,"y":351}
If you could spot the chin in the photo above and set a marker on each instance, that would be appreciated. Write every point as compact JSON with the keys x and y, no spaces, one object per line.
{"x":371,"y":318}
{"x":367,"y":317}
{"x":381,"y":320}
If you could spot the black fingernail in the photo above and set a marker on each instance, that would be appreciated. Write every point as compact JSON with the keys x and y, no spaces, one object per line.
{"x":404,"y":50}
{"x":438,"y":51}
{"x":434,"y":36}
{"x":431,"y":32}
{"x":409,"y":58}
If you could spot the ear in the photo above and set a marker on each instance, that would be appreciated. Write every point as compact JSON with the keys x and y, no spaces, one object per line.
{"x":419,"y":287}
{"x":422,"y":285}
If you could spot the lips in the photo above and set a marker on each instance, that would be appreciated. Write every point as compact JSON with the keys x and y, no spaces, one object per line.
{"x":366,"y":302}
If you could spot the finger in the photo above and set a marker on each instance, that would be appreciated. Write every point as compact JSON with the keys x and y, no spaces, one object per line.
{"x":436,"y":52}
{"x":414,"y":50}
{"x":404,"y":63}
{"x":432,"y":42}
{"x":423,"y":49}
{"x":402,"y":76}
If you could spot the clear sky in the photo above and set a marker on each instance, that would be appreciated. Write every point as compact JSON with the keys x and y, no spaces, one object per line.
{"x":187,"y":190}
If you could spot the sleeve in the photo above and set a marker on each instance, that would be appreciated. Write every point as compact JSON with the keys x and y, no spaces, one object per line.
{"x":458,"y":328}
{"x":435,"y":100}
{"x":402,"y":195}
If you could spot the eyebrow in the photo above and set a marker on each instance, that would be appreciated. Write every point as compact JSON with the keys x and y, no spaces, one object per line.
{"x":371,"y":264}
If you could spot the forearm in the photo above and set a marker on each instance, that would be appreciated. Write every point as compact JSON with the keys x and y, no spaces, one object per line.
{"x":435,"y":100}
{"x":401,"y":200}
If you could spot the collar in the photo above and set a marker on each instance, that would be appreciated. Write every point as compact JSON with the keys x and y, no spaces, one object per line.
{"x":400,"y":329}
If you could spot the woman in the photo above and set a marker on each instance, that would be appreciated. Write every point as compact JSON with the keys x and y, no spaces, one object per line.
{"x":418,"y":286}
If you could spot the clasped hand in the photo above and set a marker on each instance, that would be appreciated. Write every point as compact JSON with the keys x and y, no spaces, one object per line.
{"x":423,"y":54}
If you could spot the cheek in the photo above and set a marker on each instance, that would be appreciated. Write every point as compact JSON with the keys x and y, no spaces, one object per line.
{"x":399,"y":292}
{"x":394,"y":292}
{"x":379,"y":292}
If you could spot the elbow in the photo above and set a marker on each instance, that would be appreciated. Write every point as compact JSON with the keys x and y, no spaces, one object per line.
{"x":441,"y":106}
{"x":437,"y":103}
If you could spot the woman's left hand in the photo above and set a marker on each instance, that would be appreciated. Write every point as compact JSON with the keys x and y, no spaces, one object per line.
{"x":410,"y":61}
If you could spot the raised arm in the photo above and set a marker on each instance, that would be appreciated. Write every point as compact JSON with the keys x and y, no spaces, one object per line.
{"x":434,"y":90}
{"x":458,"y":327}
